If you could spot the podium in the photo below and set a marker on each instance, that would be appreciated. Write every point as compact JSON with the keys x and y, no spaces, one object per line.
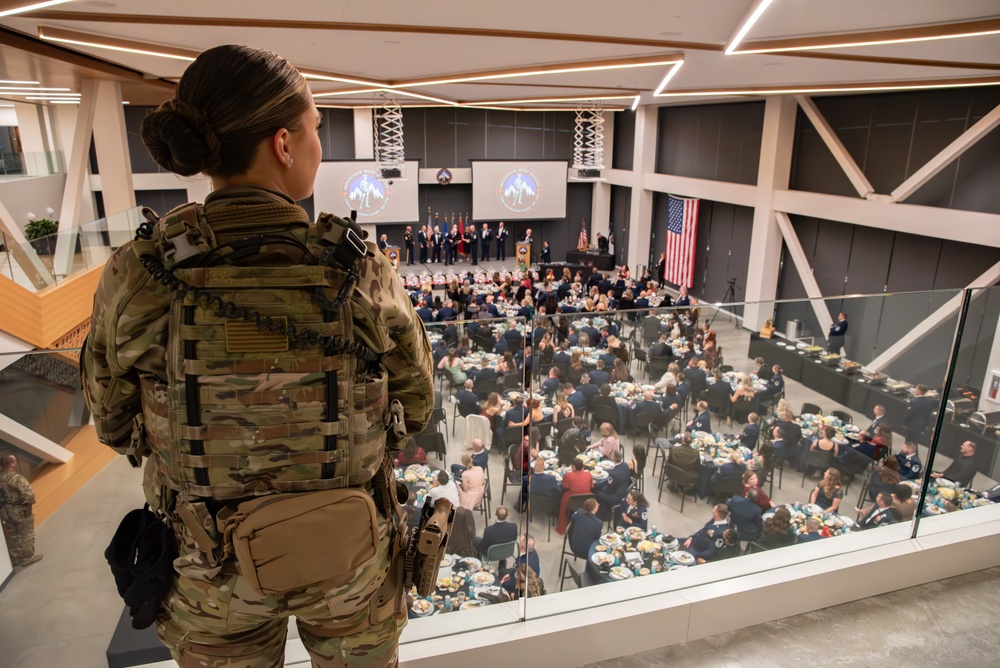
{"x":392,"y":252}
{"x":522,"y":250}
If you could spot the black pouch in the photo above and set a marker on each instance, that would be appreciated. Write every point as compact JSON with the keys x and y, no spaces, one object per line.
{"x":141,"y":557}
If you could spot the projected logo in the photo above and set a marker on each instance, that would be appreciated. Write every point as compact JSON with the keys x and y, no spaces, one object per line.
{"x":519,"y":190}
{"x":365,"y":193}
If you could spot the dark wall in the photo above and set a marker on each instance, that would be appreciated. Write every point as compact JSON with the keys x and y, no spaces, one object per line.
{"x":722,"y":251}
{"x":621,"y":206}
{"x":451,"y":137}
{"x":892,"y":135}
{"x":561,"y":233}
{"x":716,"y":141}
{"x":623,"y":144}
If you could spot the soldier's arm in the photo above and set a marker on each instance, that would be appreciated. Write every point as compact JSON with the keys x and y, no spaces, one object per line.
{"x":127,"y":333}
{"x":24,"y":489}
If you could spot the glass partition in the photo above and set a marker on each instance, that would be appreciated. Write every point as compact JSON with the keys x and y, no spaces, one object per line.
{"x":32,"y":163}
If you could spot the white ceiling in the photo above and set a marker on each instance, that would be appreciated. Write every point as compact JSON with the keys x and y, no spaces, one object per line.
{"x":696,"y":28}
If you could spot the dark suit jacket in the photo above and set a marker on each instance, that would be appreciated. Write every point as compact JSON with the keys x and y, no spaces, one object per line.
{"x":749,"y":436}
{"x":919,"y":415}
{"x":500,"y":347}
{"x":659,"y":349}
{"x":578,"y":401}
{"x":701,"y":422}
{"x":687,"y":459}
{"x":695,"y":376}
{"x":746,"y":516}
{"x":588,"y":390}
{"x":467,"y":398}
{"x":598,"y":378}
{"x":483,"y":375}
{"x":497,"y":534}
{"x":561,"y":358}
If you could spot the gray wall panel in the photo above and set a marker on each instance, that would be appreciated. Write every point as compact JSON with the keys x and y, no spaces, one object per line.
{"x":914,"y":262}
{"x":623,"y":146}
{"x":889,"y":143}
{"x":621,"y":204}
{"x":470,"y":136}
{"x":868,"y":270}
{"x":715,"y":141}
{"x":960,"y":264}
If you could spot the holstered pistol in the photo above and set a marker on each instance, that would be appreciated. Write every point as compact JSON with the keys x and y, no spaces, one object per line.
{"x":427,"y":545}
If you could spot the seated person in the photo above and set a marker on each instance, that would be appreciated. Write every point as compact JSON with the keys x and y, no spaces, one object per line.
{"x":751,"y":483}
{"x":604,"y":399}
{"x":734,"y":467}
{"x":610,"y":492}
{"x":702,"y":420}
{"x":540,"y":484}
{"x":526,"y":554}
{"x":777,"y":531}
{"x":443,"y":487}
{"x":903,"y":503}
{"x":720,"y":396}
{"x":411,"y":454}
{"x":811,"y":532}
{"x":910,"y":467}
{"x":685,"y":457}
{"x":467,"y":399}
{"x":884,"y":478}
{"x":585,"y":529}
{"x":865,"y":446}
{"x":577,"y":481}
{"x":587,"y":388}
{"x":745,"y":514}
{"x":825,"y":442}
{"x":551,"y":384}
{"x":498,"y":533}
{"x":828,"y":493}
{"x":599,"y":376}
{"x":461,"y":541}
{"x":711,"y":538}
{"x":480,"y":457}
{"x":878,"y":514}
{"x":473,"y":484}
{"x":751,"y":432}
{"x":963,"y":468}
{"x":647,"y":405}
{"x":485,"y":374}
{"x":572,"y":442}
{"x":635,"y":513}
{"x":608,"y":442}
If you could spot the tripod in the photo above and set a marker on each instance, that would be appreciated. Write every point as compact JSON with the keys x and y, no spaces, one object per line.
{"x":727,"y":298}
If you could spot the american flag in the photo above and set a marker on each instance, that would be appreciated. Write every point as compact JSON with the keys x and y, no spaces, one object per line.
{"x":682,"y":233}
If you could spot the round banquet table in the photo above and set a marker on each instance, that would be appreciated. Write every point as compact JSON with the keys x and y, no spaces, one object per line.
{"x":832,"y":523}
{"x":657,"y":553}
{"x":461,"y":583}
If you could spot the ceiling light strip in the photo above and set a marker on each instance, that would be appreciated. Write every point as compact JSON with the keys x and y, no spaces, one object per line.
{"x":32,"y":90}
{"x":10,"y":82}
{"x":114,"y":43}
{"x":635,"y":103}
{"x":876,"y":37}
{"x":839,"y":88}
{"x":754,"y":13}
{"x":670,"y":75}
{"x":584,"y":98}
{"x":562,"y":68}
{"x":31,"y":7}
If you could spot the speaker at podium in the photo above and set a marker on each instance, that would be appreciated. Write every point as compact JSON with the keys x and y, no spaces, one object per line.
{"x":392,"y":252}
{"x":523,"y":252}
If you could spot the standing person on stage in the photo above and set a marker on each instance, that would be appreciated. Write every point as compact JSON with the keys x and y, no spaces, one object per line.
{"x":838,"y":330}
{"x":436,"y":242}
{"x":16,"y":500}
{"x":661,"y":269}
{"x":422,"y":238}
{"x":527,"y":236}
{"x":474,"y":246}
{"x":246,"y":118}
{"x":602,"y":243}
{"x":486,"y":238}
{"x":408,"y":244}
{"x":455,"y":239}
{"x":501,"y":242}
{"x":546,"y":253}
{"x":448,"y":246}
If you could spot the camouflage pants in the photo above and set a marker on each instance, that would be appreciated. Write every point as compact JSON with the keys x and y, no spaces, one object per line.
{"x":221,"y":621}
{"x":19,"y":530}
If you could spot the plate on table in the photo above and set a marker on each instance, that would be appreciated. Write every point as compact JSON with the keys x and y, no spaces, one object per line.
{"x":668,"y":542}
{"x":683,"y":558}
{"x":472,"y":564}
{"x":621,"y":573}
{"x":447,"y":561}
{"x":422,"y":607}
{"x":944,"y":482}
{"x":852,"y":428}
{"x":474,"y":603}
{"x":612,"y":540}
{"x":812,"y":509}
{"x":936,"y":510}
{"x":635,"y":533}
{"x":599,"y":474}
{"x":548,"y":411}
{"x":847,"y":522}
{"x":547,"y":454}
{"x":482,"y":578}
{"x":493,"y":590}
{"x":620,"y":401}
{"x":555,"y":474}
{"x":602,"y":559}
{"x":606,"y":464}
{"x":979,"y":503}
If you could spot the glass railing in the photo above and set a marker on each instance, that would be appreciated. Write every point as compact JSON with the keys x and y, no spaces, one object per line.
{"x":35,"y":163}
{"x":47,"y":260}
{"x":640,"y":452}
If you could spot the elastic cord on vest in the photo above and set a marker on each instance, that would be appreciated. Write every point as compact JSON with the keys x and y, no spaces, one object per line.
{"x":336,"y":345}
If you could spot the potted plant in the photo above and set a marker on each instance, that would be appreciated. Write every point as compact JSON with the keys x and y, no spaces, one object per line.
{"x":40,"y":232}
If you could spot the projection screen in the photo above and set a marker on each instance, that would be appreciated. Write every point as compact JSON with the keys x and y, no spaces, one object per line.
{"x":355,"y":184}
{"x":518,"y":189}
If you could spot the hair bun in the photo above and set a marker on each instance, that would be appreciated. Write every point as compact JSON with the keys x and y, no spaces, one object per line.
{"x":180,"y":138}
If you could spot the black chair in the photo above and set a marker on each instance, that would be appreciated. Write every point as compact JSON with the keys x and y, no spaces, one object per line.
{"x":811,"y":408}
{"x":578,"y":579}
{"x":513,"y":381}
{"x":816,"y":459}
{"x":603,"y":414}
{"x":681,"y":481}
{"x":726,"y":486}
{"x":843,"y":416}
{"x":639,"y":355}
{"x":433,"y":441}
{"x":512,"y":474}
{"x":438,"y":415}
{"x":513,"y":436}
{"x":482,"y":389}
{"x":500,"y":553}
{"x":544,"y":507}
{"x":754,"y":547}
{"x":641,"y":421}
{"x":725,"y":368}
{"x":566,"y":553}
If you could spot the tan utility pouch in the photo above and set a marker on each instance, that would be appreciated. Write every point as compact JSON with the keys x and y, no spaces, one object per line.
{"x":290,"y":541}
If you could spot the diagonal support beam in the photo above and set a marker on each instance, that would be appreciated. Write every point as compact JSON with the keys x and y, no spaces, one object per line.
{"x":76,"y":174}
{"x":805,"y":271}
{"x":990,"y":277}
{"x":33,"y":442}
{"x":947,"y":155}
{"x":832,"y":141}
{"x":24,"y":255}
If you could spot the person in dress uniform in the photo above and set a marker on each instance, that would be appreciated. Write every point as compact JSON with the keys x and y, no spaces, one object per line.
{"x":910,"y":467}
{"x":448,"y":246}
{"x":502,"y":242}
{"x":474,"y":246}
{"x":485,"y":239}
{"x":422,"y":239}
{"x":711,"y":537}
{"x":879,"y":514}
{"x":546,"y":252}
{"x":408,"y":244}
{"x":436,"y":242}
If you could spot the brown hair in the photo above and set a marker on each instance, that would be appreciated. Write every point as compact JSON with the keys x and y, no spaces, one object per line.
{"x":229,"y":100}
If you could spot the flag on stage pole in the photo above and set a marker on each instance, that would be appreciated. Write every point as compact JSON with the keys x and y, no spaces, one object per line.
{"x":428,"y":216}
{"x":461,"y":235}
{"x":682,"y":233}
{"x":444,"y":230}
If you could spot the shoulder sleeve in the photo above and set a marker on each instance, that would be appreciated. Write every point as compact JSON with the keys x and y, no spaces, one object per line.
{"x":24,"y":489}
{"x":388,"y":318}
{"x":128,"y":333}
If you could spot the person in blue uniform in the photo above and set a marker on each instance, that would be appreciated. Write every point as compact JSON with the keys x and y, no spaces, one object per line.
{"x":745,"y":513}
{"x":408,"y":245}
{"x":812,"y":531}
{"x":425,"y":313}
{"x":702,"y":421}
{"x":918,"y":417}
{"x":551,"y":384}
{"x":879,"y":514}
{"x":485,"y":239}
{"x":711,"y":538}
{"x":636,"y":512}
{"x":682,"y":298}
{"x":466,"y":397}
{"x":448,"y":246}
{"x":502,"y":235}
{"x":910,"y":467}
{"x":751,"y":432}
{"x":599,"y":376}
{"x":585,"y":529}
{"x":613,"y":490}
{"x":543,"y":485}
{"x":837,"y":332}
{"x":422,"y":239}
{"x":546,"y":252}
{"x":474,"y":246}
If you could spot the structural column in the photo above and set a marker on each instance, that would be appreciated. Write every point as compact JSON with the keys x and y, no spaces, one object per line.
{"x":641,"y":213}
{"x":777,"y":142}
{"x":364,"y":149}
{"x":600,"y":210}
{"x":31,"y":127}
{"x":111,"y":145}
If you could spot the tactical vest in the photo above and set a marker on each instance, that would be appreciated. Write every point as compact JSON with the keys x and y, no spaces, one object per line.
{"x":266,"y":387}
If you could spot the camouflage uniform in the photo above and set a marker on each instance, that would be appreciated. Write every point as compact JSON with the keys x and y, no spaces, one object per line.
{"x":19,"y":527}
{"x":213,"y":617}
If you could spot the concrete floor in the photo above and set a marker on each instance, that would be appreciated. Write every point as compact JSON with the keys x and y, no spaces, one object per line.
{"x":949,"y":622}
